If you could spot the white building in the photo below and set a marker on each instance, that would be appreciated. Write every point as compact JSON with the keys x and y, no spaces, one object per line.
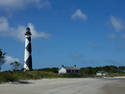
{"x":67,"y":69}
{"x":101,"y":73}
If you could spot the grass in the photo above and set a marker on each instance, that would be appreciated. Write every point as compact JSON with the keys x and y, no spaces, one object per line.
{"x":40,"y":74}
{"x":35,"y":74}
{"x":115,"y":74}
{"x":32,"y":75}
{"x":20,"y":75}
{"x":8,"y":76}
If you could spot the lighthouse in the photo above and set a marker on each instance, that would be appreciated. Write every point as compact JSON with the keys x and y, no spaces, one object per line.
{"x":28,"y":50}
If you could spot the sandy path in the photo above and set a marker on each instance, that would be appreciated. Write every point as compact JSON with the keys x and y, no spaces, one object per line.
{"x":117,"y":87}
{"x":60,"y":86}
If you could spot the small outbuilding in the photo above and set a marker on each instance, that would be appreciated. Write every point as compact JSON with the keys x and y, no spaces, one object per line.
{"x":101,"y":73}
{"x":68,"y":69}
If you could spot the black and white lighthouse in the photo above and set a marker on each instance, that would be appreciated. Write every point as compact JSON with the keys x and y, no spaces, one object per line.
{"x":28,"y":50}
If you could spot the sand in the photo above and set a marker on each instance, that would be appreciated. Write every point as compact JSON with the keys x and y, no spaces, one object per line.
{"x":65,"y":86}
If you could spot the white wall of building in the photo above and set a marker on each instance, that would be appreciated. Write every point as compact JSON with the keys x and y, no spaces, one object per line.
{"x":62,"y":70}
{"x":101,"y":74}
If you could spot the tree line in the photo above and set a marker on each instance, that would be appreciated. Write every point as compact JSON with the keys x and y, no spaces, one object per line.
{"x":84,"y":70}
{"x":108,"y":68}
{"x":15,"y":65}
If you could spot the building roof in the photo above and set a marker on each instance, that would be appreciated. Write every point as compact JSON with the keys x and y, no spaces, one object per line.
{"x":101,"y":72}
{"x":70,"y":67}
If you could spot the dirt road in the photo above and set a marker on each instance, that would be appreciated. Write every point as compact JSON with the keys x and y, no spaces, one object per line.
{"x":64,"y":86}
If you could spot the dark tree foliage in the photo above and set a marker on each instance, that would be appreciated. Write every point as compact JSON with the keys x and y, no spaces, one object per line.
{"x":1,"y":54}
{"x":55,"y":70}
{"x":109,"y":69}
{"x":1,"y":58}
{"x":15,"y":65}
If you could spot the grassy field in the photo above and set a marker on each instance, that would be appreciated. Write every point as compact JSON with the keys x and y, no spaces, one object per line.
{"x":48,"y":73}
{"x":35,"y":74}
{"x":20,"y":75}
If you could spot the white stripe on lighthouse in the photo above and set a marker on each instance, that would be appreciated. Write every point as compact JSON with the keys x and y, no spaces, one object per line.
{"x":27,"y":56}
{"x":26,"y":53}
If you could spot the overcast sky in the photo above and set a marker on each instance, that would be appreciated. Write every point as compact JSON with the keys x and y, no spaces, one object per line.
{"x":68,"y":32}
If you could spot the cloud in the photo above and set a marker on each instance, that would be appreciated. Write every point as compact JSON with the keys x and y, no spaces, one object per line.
{"x":123,"y":36}
{"x":76,"y":55}
{"x":92,"y":44}
{"x":79,"y":15}
{"x":112,"y":36}
{"x":19,"y":32}
{"x":3,"y":24}
{"x":117,"y":24}
{"x":11,"y":5}
{"x":9,"y":59}
{"x":36,"y":34}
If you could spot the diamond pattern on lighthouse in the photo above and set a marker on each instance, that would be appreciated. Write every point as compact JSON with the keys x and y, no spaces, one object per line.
{"x":28,"y":50}
{"x":29,"y":62}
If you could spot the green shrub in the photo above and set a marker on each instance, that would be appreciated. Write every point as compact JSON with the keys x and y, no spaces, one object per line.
{"x":8,"y":76}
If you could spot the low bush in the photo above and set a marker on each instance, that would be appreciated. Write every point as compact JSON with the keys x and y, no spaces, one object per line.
{"x":28,"y":75}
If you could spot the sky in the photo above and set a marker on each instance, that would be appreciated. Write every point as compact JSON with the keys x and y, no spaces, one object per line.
{"x":64,"y":32}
